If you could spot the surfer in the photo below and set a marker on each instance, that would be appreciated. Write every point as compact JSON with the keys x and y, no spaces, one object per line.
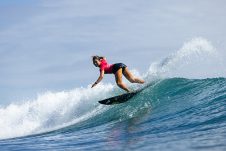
{"x":117,"y":69}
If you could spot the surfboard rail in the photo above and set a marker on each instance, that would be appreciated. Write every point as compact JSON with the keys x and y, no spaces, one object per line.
{"x":118,"y":99}
{"x":123,"y":97}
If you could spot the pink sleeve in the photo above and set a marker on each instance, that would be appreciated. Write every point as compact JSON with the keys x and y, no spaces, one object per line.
{"x":102,"y":65}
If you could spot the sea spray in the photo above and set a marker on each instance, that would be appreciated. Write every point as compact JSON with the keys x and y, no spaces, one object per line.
{"x":196,"y":59}
{"x":50,"y":110}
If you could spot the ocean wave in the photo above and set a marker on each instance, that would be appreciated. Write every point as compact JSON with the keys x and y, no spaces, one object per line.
{"x":167,"y":97}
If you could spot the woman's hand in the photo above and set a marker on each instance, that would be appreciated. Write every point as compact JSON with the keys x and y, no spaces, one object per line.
{"x":94,"y":85}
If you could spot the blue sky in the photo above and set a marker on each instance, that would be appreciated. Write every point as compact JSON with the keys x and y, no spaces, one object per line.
{"x":47,"y":44}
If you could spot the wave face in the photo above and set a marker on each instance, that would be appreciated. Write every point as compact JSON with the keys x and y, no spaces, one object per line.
{"x":175,"y":113}
{"x":184,"y":113}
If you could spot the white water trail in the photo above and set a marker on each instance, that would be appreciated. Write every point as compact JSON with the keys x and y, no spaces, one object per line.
{"x":51,"y":111}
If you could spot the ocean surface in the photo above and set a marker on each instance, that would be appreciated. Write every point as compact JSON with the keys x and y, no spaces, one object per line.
{"x":174,"y":113}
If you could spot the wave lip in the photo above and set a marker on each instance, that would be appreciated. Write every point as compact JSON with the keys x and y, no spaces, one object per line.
{"x":197,"y":58}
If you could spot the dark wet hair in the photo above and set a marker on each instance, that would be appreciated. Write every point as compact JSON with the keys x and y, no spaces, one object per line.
{"x":97,"y":58}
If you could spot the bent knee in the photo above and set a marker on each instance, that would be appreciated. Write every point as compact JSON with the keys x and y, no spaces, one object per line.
{"x":119,"y":84}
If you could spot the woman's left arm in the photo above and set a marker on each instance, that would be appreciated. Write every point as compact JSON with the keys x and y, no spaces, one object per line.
{"x":99,"y":79}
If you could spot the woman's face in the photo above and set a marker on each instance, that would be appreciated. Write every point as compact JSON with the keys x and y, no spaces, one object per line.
{"x":96,"y":62}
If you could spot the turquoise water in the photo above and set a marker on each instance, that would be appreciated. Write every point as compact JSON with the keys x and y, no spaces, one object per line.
{"x":171,"y":114}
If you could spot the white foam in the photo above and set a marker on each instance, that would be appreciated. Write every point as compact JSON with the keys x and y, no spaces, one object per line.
{"x":51,"y":111}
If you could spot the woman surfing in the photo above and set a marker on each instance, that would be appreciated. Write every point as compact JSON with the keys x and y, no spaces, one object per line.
{"x":118,"y":69}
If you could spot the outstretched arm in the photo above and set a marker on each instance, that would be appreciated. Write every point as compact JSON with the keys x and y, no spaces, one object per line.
{"x":99,"y":79}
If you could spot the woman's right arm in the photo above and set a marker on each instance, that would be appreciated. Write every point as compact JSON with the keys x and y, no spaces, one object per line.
{"x":99,"y":78}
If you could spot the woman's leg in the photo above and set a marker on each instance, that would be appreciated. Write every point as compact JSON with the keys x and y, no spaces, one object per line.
{"x":131,"y":78}
{"x":118,"y":79}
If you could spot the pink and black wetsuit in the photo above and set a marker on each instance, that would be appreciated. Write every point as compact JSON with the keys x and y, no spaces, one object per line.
{"x":106,"y":67}
{"x":111,"y":68}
